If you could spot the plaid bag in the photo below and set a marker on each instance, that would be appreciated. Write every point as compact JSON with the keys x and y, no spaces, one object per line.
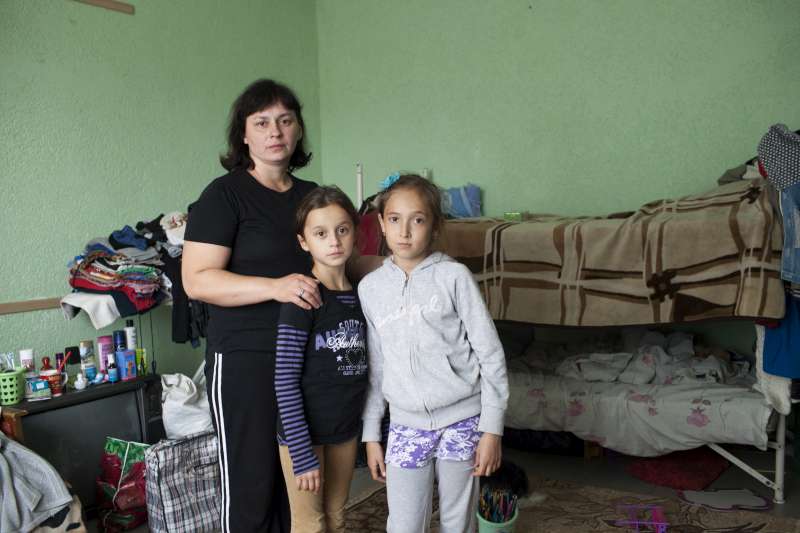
{"x":183,"y":485}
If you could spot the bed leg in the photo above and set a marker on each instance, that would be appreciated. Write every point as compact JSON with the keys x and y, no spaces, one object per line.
{"x":780,"y":458}
{"x":592,"y":450}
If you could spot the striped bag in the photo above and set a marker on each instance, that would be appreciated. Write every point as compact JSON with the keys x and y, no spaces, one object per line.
{"x":183,"y":485}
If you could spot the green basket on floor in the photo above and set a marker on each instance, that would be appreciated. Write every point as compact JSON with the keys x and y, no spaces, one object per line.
{"x":12,"y":387}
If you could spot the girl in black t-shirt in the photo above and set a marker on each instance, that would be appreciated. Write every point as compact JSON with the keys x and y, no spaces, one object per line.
{"x":321,"y":370}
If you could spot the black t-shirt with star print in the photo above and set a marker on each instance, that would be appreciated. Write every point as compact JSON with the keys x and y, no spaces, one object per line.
{"x":334,"y":377}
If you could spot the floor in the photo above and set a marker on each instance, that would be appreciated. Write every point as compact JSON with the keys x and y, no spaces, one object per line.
{"x":362,"y":487}
{"x":610,"y":472}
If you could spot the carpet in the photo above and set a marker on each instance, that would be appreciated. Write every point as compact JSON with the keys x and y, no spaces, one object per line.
{"x":368,"y":513}
{"x":571,"y":508}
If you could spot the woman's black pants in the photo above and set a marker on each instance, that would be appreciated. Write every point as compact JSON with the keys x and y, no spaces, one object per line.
{"x":241,"y":395}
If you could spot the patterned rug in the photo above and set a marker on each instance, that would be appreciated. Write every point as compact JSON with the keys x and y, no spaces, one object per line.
{"x":368,"y":515}
{"x":571,"y":508}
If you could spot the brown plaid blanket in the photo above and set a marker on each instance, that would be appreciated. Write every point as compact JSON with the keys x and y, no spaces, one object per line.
{"x":705,"y":256}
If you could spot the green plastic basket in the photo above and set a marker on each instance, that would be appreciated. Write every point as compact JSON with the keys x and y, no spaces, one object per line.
{"x":12,"y":387}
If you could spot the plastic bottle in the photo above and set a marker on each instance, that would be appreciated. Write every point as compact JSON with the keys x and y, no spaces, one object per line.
{"x":35,"y":389}
{"x":113,"y":372}
{"x":89,"y":369}
{"x":80,"y":382}
{"x":119,"y":340}
{"x":130,"y":335}
{"x":26,"y":360}
{"x":126,"y":365}
{"x":86,"y":349}
{"x":105,"y":345}
{"x":88,"y":366}
{"x":140,"y":362}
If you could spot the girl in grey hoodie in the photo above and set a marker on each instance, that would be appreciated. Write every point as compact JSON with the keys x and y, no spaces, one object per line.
{"x":435,"y":357}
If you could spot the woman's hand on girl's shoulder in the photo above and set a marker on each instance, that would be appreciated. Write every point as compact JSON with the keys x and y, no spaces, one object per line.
{"x":488,"y":455}
{"x":298,"y":289}
{"x":310,"y":481}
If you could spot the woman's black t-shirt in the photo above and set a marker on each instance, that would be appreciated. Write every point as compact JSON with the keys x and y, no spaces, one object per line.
{"x":257,"y":224}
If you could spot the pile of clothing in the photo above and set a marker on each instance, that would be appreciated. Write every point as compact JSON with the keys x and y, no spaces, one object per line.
{"x":33,"y":497}
{"x":107,"y":272}
{"x":127,"y":273}
{"x":778,"y":162}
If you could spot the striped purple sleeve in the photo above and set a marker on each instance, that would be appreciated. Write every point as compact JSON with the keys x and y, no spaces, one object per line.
{"x":288,"y":371}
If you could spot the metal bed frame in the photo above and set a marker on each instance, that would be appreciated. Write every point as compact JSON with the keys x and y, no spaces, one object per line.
{"x":779,"y":445}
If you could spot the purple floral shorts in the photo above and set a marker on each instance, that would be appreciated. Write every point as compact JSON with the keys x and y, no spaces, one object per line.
{"x":416,"y":448}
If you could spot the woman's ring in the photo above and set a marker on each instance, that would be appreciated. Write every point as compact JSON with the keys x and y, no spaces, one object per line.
{"x":302,"y":291}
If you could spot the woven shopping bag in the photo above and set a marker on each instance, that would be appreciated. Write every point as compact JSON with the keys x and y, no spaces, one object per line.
{"x":183,"y":485}
{"x":121,"y":485}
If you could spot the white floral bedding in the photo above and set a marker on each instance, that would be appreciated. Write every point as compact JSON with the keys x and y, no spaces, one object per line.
{"x":680,"y":408}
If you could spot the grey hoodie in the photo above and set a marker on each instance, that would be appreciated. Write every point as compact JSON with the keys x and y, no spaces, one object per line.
{"x":434,"y":354}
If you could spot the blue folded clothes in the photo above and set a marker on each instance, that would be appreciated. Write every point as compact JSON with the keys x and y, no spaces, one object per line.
{"x":100,"y":245}
{"x":781,"y":344}
{"x":127,"y":237}
{"x":462,"y":202}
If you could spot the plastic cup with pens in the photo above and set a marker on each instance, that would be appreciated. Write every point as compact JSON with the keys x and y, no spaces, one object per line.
{"x":498,"y":502}
{"x":497,"y":511}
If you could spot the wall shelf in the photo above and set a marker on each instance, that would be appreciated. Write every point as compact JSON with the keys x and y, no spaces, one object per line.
{"x":24,"y":306}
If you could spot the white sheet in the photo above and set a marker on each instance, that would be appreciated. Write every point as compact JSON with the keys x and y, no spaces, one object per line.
{"x":777,"y":389}
{"x":681,"y":409}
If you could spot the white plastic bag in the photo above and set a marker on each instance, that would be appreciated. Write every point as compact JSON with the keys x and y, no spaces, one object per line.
{"x":184,"y":404}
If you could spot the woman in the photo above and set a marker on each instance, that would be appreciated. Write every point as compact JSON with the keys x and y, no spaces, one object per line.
{"x":241,"y":256}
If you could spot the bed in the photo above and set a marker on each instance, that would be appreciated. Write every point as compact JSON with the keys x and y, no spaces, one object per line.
{"x":712,"y":255}
{"x":648,"y":402}
{"x":708,"y":256}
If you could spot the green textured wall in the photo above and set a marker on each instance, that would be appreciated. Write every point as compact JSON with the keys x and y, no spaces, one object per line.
{"x":107,"y":119}
{"x":569,"y":106}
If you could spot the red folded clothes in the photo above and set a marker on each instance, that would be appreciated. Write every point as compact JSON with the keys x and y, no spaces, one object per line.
{"x":103,"y":272}
{"x":142,"y":302}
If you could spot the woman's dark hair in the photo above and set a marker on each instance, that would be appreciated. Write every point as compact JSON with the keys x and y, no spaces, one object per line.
{"x":319,"y":198}
{"x":260,"y":95}
{"x":428,"y":191}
